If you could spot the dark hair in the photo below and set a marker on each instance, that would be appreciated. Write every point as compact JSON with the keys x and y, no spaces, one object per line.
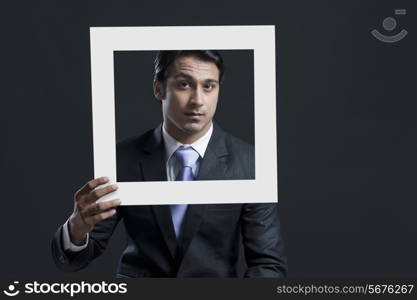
{"x":165,"y":58}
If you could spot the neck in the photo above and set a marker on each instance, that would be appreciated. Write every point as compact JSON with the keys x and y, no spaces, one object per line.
{"x":184,"y":137}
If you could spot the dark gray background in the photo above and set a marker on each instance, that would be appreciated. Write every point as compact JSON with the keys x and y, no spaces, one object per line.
{"x":346,"y":119}
{"x":137,"y":111}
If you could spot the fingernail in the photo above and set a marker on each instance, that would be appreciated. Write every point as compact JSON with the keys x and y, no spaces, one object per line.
{"x":114,"y":186}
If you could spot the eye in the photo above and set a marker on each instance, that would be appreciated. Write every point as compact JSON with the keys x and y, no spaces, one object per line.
{"x":183,"y":84}
{"x":209,"y":86}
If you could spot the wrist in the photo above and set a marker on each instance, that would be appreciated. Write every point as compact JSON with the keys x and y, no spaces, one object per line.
{"x":77,"y":236}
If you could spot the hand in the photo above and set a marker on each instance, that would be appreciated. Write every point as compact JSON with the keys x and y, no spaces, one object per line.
{"x":87,"y":212}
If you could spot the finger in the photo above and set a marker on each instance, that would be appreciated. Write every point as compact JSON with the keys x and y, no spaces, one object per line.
{"x":96,"y":208}
{"x":98,"y":193}
{"x":91,"y":185}
{"x":102,"y":216}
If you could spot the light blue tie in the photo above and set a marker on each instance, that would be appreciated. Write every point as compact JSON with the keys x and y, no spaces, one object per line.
{"x":187,"y":157}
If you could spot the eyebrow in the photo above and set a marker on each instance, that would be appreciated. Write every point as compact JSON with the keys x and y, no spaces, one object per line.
{"x":189,"y":77}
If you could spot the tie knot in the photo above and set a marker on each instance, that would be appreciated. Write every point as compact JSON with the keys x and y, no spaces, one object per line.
{"x":187,"y":156}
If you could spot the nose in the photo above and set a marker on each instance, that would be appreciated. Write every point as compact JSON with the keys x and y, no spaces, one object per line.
{"x":197,"y":97}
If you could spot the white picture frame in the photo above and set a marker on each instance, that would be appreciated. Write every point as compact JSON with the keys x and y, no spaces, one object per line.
{"x":261,"y":39}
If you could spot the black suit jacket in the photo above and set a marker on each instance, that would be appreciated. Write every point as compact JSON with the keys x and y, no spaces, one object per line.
{"x":219,"y":240}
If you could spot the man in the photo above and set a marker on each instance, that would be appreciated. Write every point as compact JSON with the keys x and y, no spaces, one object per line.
{"x":214,"y":240}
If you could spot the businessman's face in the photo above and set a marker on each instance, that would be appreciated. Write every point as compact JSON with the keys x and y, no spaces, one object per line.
{"x":189,"y":98}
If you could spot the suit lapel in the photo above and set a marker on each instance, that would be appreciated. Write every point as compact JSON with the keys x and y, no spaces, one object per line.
{"x":212,"y":167}
{"x":153,"y":164}
{"x":163,"y":216}
{"x":194,"y":216}
{"x":154,"y":169}
{"x":214,"y":164}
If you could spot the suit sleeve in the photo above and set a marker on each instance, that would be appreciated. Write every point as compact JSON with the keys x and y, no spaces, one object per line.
{"x":66,"y":241}
{"x":70,"y":261}
{"x":262,"y":240}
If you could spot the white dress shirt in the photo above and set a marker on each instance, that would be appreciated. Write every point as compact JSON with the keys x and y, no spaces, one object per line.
{"x":172,"y":169}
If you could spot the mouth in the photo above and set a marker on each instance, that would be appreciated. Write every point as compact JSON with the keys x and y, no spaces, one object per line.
{"x":194,"y":117}
{"x":193,"y":114}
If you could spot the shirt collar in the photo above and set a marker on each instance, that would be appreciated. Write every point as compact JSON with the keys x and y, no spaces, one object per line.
{"x":200,"y":145}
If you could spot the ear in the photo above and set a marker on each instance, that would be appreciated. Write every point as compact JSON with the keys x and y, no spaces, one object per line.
{"x":158,"y":90}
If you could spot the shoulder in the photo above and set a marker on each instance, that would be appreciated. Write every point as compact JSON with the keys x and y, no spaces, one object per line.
{"x":134,"y":142}
{"x":240,"y":154}
{"x":140,"y":143}
{"x":232,"y":144}
{"x":237,"y":146}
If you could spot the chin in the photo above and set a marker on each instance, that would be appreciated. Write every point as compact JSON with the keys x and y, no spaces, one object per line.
{"x":193,"y":128}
